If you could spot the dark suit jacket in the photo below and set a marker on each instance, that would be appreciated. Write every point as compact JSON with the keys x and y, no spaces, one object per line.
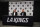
{"x":24,"y":13}
{"x":15,"y":14}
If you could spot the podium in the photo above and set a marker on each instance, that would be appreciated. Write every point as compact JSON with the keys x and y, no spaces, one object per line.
{"x":18,"y":20}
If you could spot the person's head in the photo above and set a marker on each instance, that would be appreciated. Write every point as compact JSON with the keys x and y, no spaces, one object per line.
{"x":14,"y":10}
{"x":22,"y":10}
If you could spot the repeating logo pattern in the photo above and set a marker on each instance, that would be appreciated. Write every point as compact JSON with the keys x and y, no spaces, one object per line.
{"x":26,"y":5}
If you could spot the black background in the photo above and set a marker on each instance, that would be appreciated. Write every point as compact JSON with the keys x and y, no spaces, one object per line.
{"x":37,"y":11}
{"x":4,"y":10}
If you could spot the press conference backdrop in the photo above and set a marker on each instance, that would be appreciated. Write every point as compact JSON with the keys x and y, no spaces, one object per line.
{"x":26,"y":5}
{"x":4,"y":10}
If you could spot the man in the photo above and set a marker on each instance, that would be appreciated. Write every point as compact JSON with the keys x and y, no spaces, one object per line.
{"x":14,"y":13}
{"x":23,"y":13}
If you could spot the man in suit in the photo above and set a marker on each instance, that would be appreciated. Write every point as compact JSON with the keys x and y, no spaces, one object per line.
{"x":14,"y":13}
{"x":23,"y":13}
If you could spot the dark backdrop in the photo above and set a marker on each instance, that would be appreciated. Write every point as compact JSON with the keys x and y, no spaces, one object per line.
{"x":36,"y":11}
{"x":3,"y":9}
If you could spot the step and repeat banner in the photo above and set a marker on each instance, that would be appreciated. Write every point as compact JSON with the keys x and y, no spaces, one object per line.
{"x":19,"y":14}
{"x":27,"y":6}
